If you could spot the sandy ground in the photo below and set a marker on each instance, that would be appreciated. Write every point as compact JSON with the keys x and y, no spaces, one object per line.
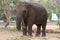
{"x":6,"y":34}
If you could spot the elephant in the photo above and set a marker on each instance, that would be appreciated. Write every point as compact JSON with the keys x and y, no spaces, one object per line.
{"x":31,"y":13}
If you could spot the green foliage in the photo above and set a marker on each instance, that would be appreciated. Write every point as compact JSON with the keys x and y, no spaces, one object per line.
{"x":13,"y":18}
{"x":1,"y":11}
{"x":1,"y":8}
{"x":58,"y":23}
{"x":51,"y":6}
{"x":0,"y":2}
{"x":12,"y":28}
{"x":14,"y":1}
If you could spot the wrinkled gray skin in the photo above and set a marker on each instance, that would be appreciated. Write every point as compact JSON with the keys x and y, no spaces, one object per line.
{"x":31,"y":14}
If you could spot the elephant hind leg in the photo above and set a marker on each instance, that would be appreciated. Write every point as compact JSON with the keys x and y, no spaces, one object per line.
{"x":43,"y":30}
{"x":30,"y":29}
{"x":38,"y":29}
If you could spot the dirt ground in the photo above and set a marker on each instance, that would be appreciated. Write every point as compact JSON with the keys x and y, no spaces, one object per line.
{"x":9,"y":34}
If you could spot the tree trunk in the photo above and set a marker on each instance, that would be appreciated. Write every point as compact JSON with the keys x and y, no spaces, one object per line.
{"x":7,"y":11}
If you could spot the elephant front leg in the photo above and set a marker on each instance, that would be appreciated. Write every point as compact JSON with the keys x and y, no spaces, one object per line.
{"x":30,"y":29}
{"x":43,"y":30}
{"x":25,"y":28}
{"x":25,"y":31}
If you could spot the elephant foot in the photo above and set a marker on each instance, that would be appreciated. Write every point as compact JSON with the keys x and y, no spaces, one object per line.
{"x":43,"y":35}
{"x":30,"y":35}
{"x":18,"y":29}
{"x":24,"y":34}
{"x":37,"y":35}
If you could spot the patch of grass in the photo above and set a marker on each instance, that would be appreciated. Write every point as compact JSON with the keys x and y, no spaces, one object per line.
{"x":28,"y":38}
{"x":12,"y":29}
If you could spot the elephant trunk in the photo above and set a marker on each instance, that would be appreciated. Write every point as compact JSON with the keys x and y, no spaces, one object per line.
{"x":18,"y":21}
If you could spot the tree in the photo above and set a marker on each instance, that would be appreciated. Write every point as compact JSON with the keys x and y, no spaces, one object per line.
{"x":6,"y":11}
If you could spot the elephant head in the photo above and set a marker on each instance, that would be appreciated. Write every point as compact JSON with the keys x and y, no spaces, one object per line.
{"x":22,"y":10}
